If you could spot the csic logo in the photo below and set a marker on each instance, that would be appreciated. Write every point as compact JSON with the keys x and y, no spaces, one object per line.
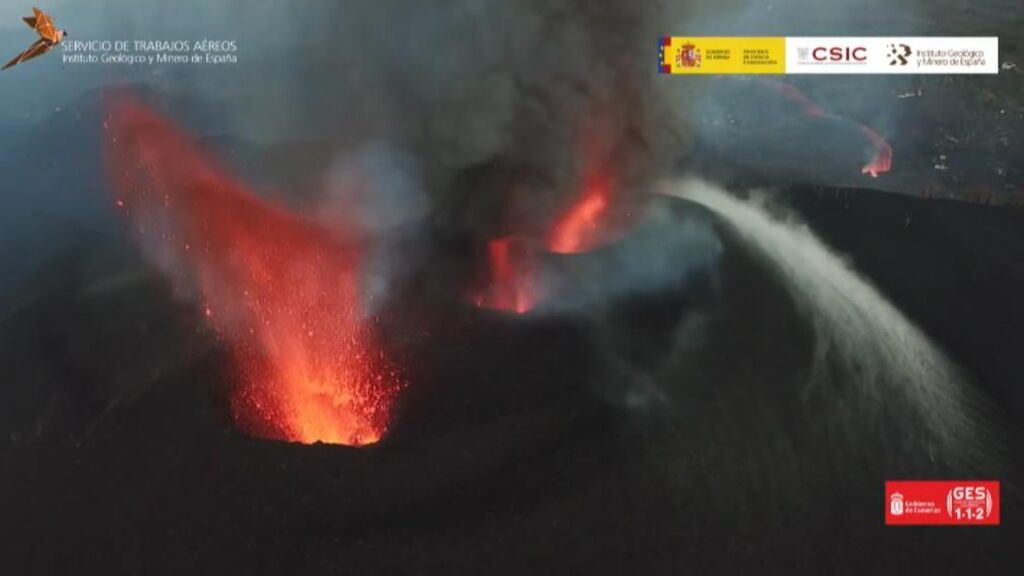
{"x":840,"y":54}
{"x":832,"y":54}
{"x":898,"y":54}
{"x":688,"y":56}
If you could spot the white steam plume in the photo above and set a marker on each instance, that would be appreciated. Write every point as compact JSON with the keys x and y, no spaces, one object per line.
{"x":870,"y":362}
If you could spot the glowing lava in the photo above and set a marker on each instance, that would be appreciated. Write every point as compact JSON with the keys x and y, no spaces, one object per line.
{"x":282,"y":292}
{"x":880,"y":163}
{"x":596,"y":215}
{"x":583,"y":226}
{"x":510,"y":287}
{"x":576,"y":230}
{"x":513,"y":283}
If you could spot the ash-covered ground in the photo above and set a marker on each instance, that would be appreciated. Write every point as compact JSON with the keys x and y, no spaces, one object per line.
{"x":668,"y":430}
{"x":522,"y":450}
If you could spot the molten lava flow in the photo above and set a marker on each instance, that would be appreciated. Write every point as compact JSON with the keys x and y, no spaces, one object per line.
{"x":510,"y":286}
{"x":582,"y":228}
{"x":575,"y":230}
{"x":594,"y":218}
{"x":280,"y":291}
{"x":882,"y":160}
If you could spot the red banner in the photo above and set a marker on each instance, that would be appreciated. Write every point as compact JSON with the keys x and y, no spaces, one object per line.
{"x":942,"y":502}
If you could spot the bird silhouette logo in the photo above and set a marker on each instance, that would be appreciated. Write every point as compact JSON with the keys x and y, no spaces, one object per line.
{"x":49,"y":37}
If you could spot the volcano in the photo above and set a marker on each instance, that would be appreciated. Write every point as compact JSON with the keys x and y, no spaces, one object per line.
{"x":280,"y":290}
{"x":510,"y":429}
{"x":572,"y":317}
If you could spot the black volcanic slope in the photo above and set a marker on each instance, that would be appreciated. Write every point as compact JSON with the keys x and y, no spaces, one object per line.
{"x":525,"y":451}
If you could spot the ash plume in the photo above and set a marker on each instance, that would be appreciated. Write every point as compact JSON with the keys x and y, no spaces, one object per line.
{"x":454,"y":82}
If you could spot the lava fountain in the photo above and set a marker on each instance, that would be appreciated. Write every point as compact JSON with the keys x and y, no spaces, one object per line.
{"x":579,"y":228}
{"x":590,"y":220}
{"x":279,"y":290}
{"x":513,"y":283}
{"x":510,"y":285}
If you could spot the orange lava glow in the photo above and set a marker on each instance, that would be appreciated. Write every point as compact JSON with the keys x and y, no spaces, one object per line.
{"x":580,"y":228}
{"x":510,"y":287}
{"x":280,"y":291}
{"x":880,"y":163}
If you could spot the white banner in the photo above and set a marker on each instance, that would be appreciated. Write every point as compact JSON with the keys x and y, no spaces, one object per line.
{"x":892,"y":55}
